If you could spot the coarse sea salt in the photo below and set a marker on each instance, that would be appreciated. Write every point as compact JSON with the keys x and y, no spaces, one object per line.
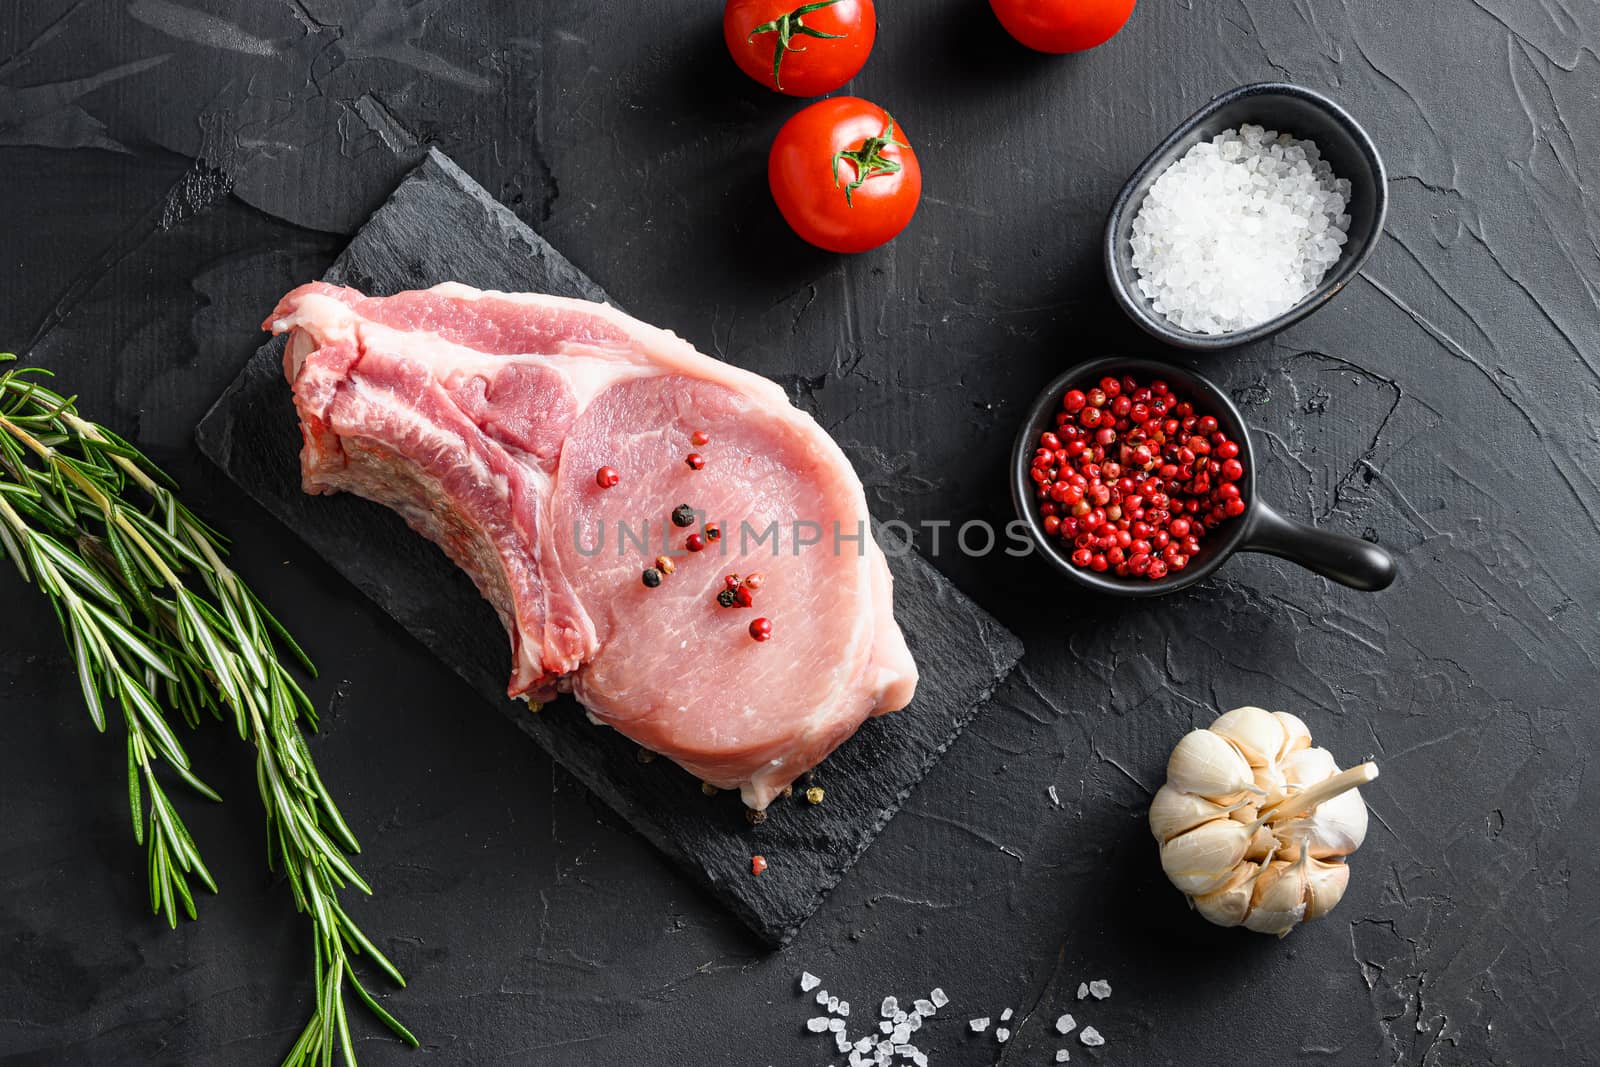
{"x":1091,"y":1037}
{"x":1083,"y":990}
{"x":1066,"y":1024}
{"x":1100,"y":988}
{"x":808,"y":981}
{"x":1063,"y":1055}
{"x":1002,"y":1035}
{"x":938,"y":997}
{"x":979,"y":1025}
{"x":1239,"y":230}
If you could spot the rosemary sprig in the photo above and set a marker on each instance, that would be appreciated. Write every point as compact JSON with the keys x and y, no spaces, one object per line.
{"x":155,"y":617}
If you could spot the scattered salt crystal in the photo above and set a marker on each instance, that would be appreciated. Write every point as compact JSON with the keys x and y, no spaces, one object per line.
{"x":914,"y":1021}
{"x":844,"y":1008}
{"x":886,"y":1026}
{"x":925,"y":1007}
{"x":919,"y":1059}
{"x":864,"y":1045}
{"x":1100,"y":988}
{"x":1005,"y":1015}
{"x":1091,"y":1036}
{"x":836,"y":1025}
{"x":1002,"y":1035}
{"x":1239,"y":230}
{"x":1083,"y":990}
{"x":1066,"y":1024}
{"x":979,"y":1025}
{"x":1062,"y":1055}
{"x":1055,"y":798}
{"x":817,"y":1024}
{"x":840,"y":1041}
{"x":890,"y":1006}
{"x":903,"y":1049}
{"x":808,"y":981}
{"x":833,"y":1005}
{"x":822,"y":996}
{"x":901,"y":1035}
{"x":938,"y":998}
{"x":900,"y":1017}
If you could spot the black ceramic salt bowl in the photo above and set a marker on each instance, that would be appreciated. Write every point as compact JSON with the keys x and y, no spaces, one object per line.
{"x":1340,"y":557}
{"x":1277,"y":106}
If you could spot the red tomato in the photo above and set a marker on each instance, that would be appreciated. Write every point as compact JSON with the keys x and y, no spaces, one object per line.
{"x":843,"y":175}
{"x":1062,"y":25}
{"x":803,"y":50}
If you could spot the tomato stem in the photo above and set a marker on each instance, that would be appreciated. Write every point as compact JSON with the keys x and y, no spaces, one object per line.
{"x":869,"y":159}
{"x":789,"y":26}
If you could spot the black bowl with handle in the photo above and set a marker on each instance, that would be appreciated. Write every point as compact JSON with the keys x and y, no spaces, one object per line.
{"x":1344,"y":559}
{"x":1291,"y":109}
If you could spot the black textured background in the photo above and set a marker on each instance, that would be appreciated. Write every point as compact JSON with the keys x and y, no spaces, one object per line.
{"x":170,"y":167}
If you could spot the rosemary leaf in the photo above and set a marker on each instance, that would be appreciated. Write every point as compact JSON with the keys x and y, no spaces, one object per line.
{"x":159,"y":625}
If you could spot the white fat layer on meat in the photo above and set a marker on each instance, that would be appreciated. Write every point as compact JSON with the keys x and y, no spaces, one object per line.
{"x":588,"y":369}
{"x":672,"y":354}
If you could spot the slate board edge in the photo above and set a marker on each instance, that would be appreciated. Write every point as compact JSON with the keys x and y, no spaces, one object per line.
{"x":214,"y":437}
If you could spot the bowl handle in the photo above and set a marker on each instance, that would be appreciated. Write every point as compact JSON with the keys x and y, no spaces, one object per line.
{"x":1345,"y":559}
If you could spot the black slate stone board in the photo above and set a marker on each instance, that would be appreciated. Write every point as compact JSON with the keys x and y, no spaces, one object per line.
{"x":441,"y":225}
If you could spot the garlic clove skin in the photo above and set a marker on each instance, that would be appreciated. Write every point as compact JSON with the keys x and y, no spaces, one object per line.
{"x":1270,"y":781}
{"x":1264,"y":845}
{"x":1203,"y":859}
{"x":1336,"y":827}
{"x":1308,"y":766}
{"x":1278,"y":904}
{"x":1255,"y":731}
{"x":1173,"y":812}
{"x":1297,"y":734}
{"x":1228,"y":905}
{"x":1325,"y":885}
{"x":1205,"y":763}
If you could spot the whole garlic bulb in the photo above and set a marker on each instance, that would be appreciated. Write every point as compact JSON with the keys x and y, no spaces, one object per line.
{"x":1254,"y":823}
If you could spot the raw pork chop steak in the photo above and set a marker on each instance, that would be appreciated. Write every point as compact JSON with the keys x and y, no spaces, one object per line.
{"x":483,"y":418}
